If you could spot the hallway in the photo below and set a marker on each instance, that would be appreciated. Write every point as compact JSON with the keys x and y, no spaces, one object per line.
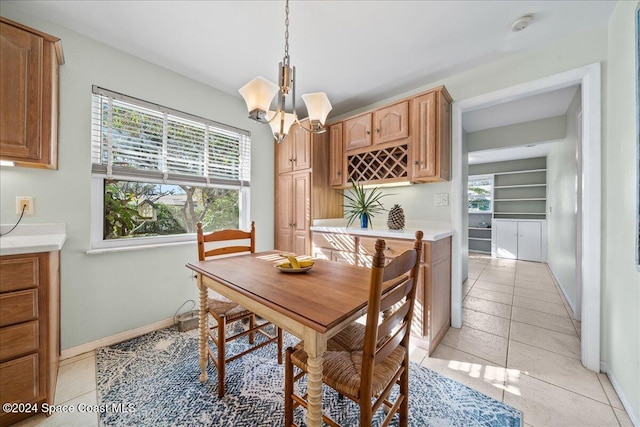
{"x":519,"y":344}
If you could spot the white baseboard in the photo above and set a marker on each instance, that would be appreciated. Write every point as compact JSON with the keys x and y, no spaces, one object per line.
{"x":571,"y":304}
{"x":625,"y":402}
{"x":115,"y":339}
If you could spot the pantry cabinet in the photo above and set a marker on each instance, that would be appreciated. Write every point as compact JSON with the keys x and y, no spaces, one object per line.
{"x":29,"y":63}
{"x":520,"y":239}
{"x":302,"y":189}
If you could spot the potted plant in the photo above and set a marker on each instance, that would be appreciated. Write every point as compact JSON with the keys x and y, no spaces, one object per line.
{"x":361,"y":205}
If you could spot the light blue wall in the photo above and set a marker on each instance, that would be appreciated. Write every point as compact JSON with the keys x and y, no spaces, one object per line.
{"x":550,"y":129}
{"x":102,"y":295}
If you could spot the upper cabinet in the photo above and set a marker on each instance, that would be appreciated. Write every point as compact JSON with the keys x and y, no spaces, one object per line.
{"x":29,"y":61}
{"x":294,"y":153}
{"x":391,"y":123}
{"x":408,"y":140}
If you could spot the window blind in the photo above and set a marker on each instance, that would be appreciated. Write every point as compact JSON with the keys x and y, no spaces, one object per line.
{"x":135,"y":139}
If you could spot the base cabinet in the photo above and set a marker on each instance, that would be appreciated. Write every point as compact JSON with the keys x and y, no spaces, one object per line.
{"x":520,"y":239}
{"x":432,"y":312}
{"x":29,"y":330}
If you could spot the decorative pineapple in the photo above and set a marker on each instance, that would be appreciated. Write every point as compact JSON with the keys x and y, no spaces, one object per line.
{"x":396,"y":218}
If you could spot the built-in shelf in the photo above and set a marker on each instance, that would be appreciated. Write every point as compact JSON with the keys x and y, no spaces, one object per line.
{"x":520,"y":200}
{"x":480,"y":213}
{"x":520,"y":213}
{"x":479,"y":228}
{"x":519,"y":186}
{"x":479,"y":238}
{"x":479,"y":251}
{"x":522,"y":171}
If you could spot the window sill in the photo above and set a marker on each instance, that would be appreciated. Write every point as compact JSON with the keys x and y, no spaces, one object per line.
{"x":98,"y":251}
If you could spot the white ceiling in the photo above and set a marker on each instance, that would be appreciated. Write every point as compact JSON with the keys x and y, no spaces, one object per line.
{"x":511,"y":153}
{"x":545,"y":105}
{"x":359,"y":52}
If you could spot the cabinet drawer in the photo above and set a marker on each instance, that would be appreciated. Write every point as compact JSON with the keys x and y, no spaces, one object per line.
{"x":393,"y":249}
{"x":17,"y":307}
{"x":19,"y":273}
{"x":20,"y":380}
{"x":346,"y":257}
{"x":18,"y":339}
{"x":340,"y":242}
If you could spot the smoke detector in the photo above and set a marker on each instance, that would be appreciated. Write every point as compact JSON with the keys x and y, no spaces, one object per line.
{"x":521,"y":23}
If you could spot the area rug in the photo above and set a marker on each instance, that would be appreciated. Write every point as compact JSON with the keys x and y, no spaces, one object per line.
{"x":153,"y":380}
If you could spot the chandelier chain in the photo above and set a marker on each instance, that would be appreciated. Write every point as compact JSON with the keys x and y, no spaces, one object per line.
{"x":286,"y":33}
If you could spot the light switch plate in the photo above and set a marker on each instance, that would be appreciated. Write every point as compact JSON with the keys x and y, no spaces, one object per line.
{"x":442,"y":199}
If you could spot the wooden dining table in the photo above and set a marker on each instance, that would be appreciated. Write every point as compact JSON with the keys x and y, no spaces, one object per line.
{"x":313,"y":306}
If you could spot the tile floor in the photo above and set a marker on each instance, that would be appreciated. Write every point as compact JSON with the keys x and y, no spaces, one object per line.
{"x":517,"y":344}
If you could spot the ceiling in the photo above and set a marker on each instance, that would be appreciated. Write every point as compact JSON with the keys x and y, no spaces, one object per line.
{"x":358,"y":52}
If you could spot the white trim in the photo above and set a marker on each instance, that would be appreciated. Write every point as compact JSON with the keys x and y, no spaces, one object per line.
{"x":635,"y":419}
{"x":115,"y":339}
{"x":589,"y":78}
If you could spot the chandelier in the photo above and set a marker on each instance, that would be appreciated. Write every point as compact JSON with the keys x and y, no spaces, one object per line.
{"x":259,"y":93}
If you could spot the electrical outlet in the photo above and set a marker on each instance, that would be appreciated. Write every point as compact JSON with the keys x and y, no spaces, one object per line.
{"x":25,"y":202}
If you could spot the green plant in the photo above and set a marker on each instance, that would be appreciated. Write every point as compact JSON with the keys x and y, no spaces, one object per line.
{"x":359,"y":203}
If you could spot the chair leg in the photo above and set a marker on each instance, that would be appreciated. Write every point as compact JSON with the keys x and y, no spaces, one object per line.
{"x":222,"y":326}
{"x":404,"y":391}
{"x":288,"y":388}
{"x":279,"y":332}
{"x":252,"y":324}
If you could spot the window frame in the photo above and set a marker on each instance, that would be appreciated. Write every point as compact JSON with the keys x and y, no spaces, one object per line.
{"x":489,"y":177}
{"x":99,"y":174}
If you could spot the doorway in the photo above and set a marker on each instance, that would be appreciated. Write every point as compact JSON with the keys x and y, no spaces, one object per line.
{"x":589,"y":181}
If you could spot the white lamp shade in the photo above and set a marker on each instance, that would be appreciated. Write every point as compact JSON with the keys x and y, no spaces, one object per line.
{"x":258,"y":94}
{"x":318,"y":106}
{"x":274,"y":122}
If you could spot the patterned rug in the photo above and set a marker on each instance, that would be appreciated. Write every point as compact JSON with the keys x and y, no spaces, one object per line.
{"x":153,"y":381}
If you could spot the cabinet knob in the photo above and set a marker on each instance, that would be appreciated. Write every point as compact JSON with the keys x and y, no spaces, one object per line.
{"x":291,"y":160}
{"x":378,"y":130}
{"x":368,"y":132}
{"x":415,"y":162}
{"x":387,"y":248}
{"x":338,"y":173}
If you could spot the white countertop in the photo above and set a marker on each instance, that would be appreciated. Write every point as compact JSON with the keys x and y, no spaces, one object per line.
{"x":433,"y":230}
{"x":31,"y":238}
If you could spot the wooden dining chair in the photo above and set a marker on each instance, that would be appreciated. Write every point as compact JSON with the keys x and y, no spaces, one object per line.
{"x":366,"y":370}
{"x":224,"y":311}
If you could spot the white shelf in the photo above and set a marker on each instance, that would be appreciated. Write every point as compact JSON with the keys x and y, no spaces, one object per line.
{"x":480,"y":238}
{"x":519,"y":213}
{"x":524,"y":171}
{"x":521,"y":200}
{"x":480,"y":252}
{"x":480,"y":228}
{"x":480,"y":213}
{"x":520,"y":186}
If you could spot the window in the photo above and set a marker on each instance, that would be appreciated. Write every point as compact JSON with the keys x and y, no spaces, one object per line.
{"x":480,"y":192}
{"x":157,"y":172}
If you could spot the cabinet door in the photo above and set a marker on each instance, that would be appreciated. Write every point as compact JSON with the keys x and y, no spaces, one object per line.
{"x":357,"y":132}
{"x":284,"y":219}
{"x":530,"y":240}
{"x":506,"y":233}
{"x":301,"y":212}
{"x":336,"y":156}
{"x":300,"y":147}
{"x":284,"y":157}
{"x":21,"y":91}
{"x":391,"y":123}
{"x":424,"y":150}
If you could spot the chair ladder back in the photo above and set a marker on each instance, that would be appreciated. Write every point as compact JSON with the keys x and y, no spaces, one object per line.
{"x":376,"y":349}
{"x":225,"y":235}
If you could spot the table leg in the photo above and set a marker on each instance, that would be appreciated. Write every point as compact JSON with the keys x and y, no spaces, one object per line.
{"x":314,"y":345}
{"x":203,"y":326}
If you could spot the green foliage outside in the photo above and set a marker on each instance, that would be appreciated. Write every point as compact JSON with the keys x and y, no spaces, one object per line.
{"x":178,"y":208}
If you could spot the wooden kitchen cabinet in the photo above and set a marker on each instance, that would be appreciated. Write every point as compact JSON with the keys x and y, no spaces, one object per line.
{"x":302,"y":193}
{"x":357,"y":132}
{"x":294,"y":152}
{"x":391,"y":123}
{"x":29,"y":330}
{"x":336,"y":156}
{"x":29,"y":64}
{"x":431,"y":137}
